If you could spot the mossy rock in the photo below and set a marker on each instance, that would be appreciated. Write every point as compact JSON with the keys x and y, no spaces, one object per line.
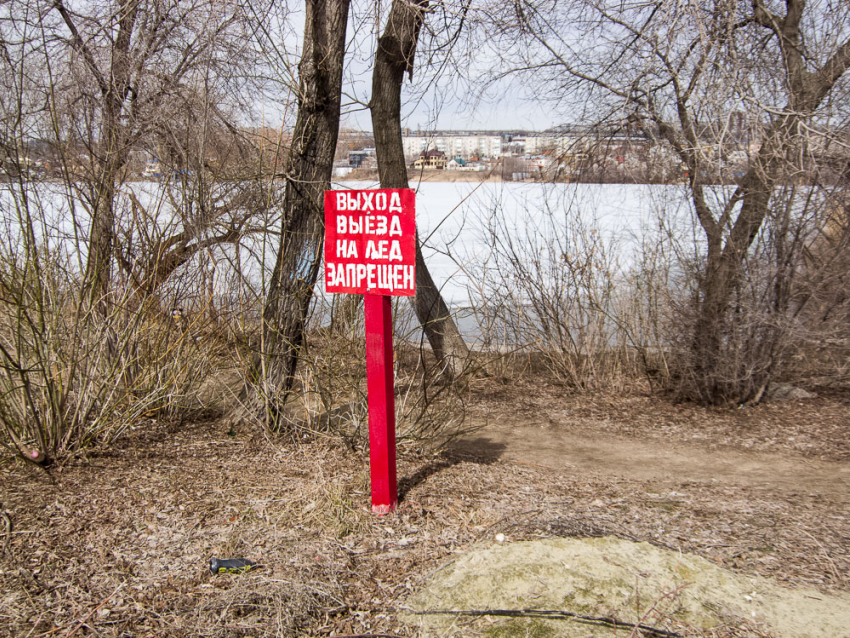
{"x":613,"y":578}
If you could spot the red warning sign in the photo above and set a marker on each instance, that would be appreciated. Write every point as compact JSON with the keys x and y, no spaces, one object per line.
{"x":370,"y":241}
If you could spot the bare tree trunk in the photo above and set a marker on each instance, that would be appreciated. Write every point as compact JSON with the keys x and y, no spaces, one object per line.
{"x":308,"y":171}
{"x":396,"y":51}
{"x":118,"y":97}
{"x":807,"y":89}
{"x":101,"y":243}
{"x":722,"y":276}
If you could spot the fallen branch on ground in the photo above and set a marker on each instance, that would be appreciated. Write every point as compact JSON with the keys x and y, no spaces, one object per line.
{"x":607,"y":621}
{"x":7,"y":521}
{"x":669,"y":594}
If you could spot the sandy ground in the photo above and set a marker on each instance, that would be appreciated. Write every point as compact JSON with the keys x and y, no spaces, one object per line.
{"x":598,"y":579}
{"x":664,"y":463}
{"x":117,"y":542}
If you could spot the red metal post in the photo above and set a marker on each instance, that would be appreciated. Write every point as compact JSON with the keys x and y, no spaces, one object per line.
{"x":379,"y":383}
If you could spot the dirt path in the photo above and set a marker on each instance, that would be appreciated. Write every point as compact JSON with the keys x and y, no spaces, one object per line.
{"x":603,"y":455}
{"x":795,"y":448}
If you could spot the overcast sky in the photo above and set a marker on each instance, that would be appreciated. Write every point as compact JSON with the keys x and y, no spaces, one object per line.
{"x":449,"y":102}
{"x":451,"y":109}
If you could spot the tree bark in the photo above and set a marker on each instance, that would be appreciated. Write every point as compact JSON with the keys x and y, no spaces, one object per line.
{"x":308,"y":170}
{"x":395,"y":55}
{"x":725,"y":261}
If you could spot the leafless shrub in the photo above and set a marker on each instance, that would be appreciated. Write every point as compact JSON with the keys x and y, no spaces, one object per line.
{"x":430,"y":409}
{"x":603,"y":310}
{"x":331,"y":397}
{"x":820,"y":342}
{"x":783,"y":306}
{"x":552,"y":283}
{"x":69,"y":375}
{"x":751,"y":94}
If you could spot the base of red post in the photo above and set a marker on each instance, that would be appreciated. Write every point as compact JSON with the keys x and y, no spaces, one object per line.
{"x":379,"y":383}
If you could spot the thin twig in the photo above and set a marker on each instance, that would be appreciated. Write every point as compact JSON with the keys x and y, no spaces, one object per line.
{"x":832,"y":568}
{"x":554,"y":614}
{"x":79,"y":623}
{"x":7,"y":522}
{"x":669,"y":594}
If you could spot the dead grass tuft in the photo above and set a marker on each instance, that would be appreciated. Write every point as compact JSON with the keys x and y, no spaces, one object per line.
{"x":118,"y":543}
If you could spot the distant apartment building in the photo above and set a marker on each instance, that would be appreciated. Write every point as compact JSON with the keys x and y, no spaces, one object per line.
{"x":461,"y":145}
{"x":414,"y":145}
{"x":627,"y":149}
{"x":531,"y":144}
{"x":562,"y":150}
{"x":364,"y":158}
{"x":473,"y":145}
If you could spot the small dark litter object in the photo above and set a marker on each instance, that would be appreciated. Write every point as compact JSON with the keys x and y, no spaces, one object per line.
{"x":231,"y":565}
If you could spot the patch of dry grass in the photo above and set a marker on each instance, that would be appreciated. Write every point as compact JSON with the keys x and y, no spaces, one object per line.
{"x":117,"y":544}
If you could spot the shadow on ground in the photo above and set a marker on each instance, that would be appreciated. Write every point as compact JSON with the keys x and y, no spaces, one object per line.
{"x":481,"y":451}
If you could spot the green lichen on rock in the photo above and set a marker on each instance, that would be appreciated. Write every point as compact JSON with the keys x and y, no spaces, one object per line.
{"x":522,"y":629}
{"x":609,"y":577}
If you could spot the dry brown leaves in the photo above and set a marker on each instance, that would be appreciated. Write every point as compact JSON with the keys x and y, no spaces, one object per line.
{"x":117,"y":544}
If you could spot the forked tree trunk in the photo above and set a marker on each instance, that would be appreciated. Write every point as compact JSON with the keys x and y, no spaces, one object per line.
{"x":396,"y":51}
{"x":725,"y":261}
{"x":117,"y":98}
{"x":308,"y":169}
{"x":716,"y":381}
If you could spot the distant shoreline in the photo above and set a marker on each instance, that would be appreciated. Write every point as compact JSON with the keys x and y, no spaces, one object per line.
{"x":361,"y":175}
{"x":492,"y":176}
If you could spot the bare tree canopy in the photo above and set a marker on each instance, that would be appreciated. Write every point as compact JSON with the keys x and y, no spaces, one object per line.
{"x":105,"y":79}
{"x":764,"y":78}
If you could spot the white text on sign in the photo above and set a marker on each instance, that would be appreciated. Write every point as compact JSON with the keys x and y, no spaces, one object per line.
{"x":370,"y":241}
